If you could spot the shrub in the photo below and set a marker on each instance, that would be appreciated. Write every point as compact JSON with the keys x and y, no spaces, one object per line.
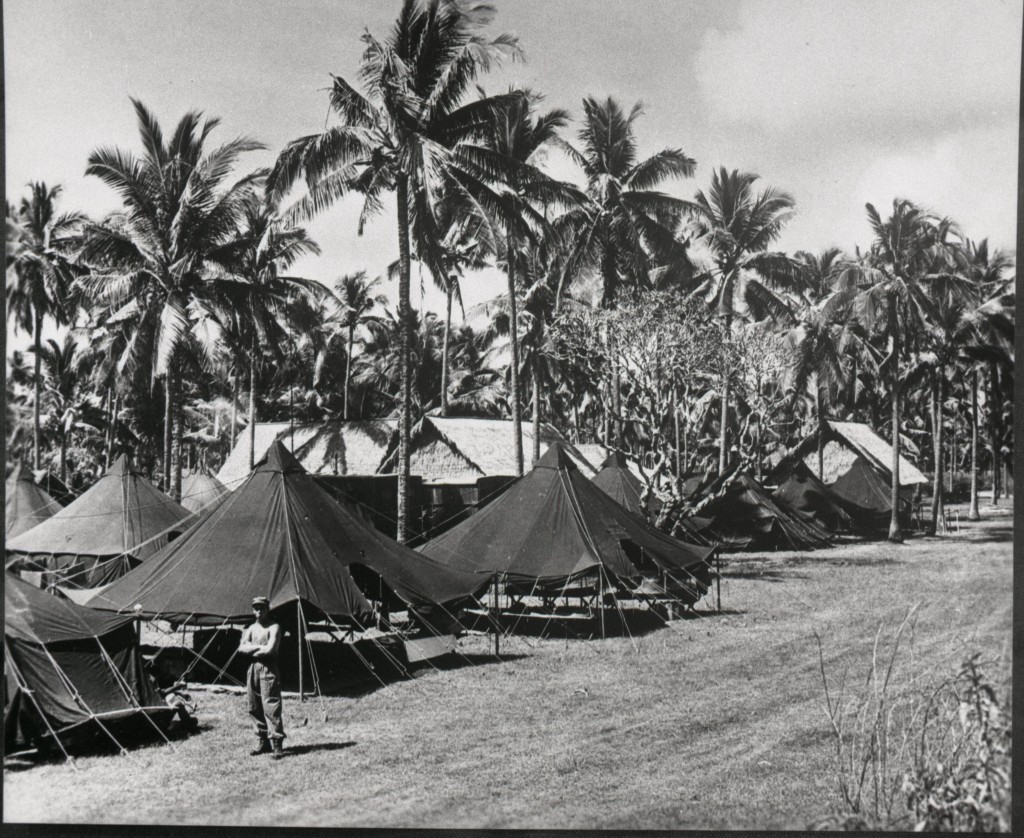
{"x":918,"y":753}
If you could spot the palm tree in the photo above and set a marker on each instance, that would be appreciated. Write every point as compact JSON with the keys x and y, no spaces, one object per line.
{"x":150,"y":263}
{"x":40,"y":274}
{"x":258,"y":251}
{"x":889,"y":295}
{"x":356,"y":300}
{"x":518,"y":139}
{"x":399,"y":136}
{"x":738,"y":225}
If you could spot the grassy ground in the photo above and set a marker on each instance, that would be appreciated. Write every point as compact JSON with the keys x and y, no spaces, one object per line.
{"x":715,"y":722}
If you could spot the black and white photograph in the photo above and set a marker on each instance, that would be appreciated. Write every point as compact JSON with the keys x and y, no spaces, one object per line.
{"x":510,"y":414}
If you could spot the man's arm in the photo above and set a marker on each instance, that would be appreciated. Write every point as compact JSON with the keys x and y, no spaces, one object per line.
{"x":245,"y":647}
{"x":268,"y":649}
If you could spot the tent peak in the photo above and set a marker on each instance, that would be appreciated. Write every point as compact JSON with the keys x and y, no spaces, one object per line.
{"x":279,"y":458}
{"x":556,"y":457}
{"x":616,"y":459}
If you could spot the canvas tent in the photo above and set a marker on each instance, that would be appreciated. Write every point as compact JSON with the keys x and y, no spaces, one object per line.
{"x":806,"y":494}
{"x":201,"y":489}
{"x":71,"y":673}
{"x":121,"y":520}
{"x":281,"y":536}
{"x":869,"y":490}
{"x":553,"y":525}
{"x":26,"y":504}
{"x":618,"y":481}
{"x":743,"y":515}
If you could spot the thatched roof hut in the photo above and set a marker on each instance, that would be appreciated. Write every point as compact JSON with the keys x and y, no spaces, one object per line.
{"x":460,"y":450}
{"x":844,"y":443}
{"x":329,"y":448}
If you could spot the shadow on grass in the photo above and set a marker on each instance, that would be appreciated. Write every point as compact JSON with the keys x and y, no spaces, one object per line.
{"x":299,"y":750}
{"x":763,"y":575}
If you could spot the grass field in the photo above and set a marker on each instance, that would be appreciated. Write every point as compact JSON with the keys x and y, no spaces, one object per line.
{"x":715,"y":722}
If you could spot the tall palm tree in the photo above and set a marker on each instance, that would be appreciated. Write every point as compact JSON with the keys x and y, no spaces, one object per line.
{"x":258,"y":251}
{"x":738,"y":225}
{"x":40,"y":274}
{"x":399,"y":137}
{"x":150,"y":262}
{"x":511,"y":153}
{"x":356,"y":299}
{"x":889,"y":294}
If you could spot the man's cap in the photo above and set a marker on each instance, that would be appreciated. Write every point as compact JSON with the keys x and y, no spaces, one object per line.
{"x":260,"y":600}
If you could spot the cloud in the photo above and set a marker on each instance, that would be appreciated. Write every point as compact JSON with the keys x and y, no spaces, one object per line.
{"x":871,"y":67}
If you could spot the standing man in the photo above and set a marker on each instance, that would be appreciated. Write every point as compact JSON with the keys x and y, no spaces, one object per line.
{"x":261,"y":640}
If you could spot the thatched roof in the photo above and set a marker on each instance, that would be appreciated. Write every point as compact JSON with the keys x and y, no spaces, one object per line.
{"x":321,"y":447}
{"x":462,"y":449}
{"x":845,"y":441}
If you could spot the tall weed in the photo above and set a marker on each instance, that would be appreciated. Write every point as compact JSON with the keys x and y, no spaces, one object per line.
{"x":915,"y":752}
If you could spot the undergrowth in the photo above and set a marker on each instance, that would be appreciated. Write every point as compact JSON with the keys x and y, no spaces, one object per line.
{"x":927,"y":753}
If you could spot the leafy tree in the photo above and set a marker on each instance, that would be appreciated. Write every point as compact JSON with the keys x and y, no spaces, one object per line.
{"x":40,"y":274}
{"x":151,"y":266}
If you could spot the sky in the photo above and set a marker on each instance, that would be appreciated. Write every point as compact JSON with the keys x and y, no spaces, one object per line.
{"x":837,"y":103}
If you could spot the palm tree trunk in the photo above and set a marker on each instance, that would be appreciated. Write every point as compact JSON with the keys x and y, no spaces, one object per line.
{"x":179,"y":409}
{"x":348,"y":367}
{"x":973,"y":514}
{"x":995,"y":402}
{"x":536,"y":410}
{"x":819,"y":410}
{"x":64,"y":457}
{"x":937,"y":511}
{"x":234,"y":407}
{"x":405,"y":324}
{"x":513,"y":331}
{"x":679,"y":448}
{"x":449,"y":292}
{"x":895,"y":531}
{"x":115,"y":417}
{"x":168,"y":428}
{"x":37,"y":339}
{"x":252,"y":403}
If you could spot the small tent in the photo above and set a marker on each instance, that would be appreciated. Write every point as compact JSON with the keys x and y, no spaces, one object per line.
{"x":121,"y":520}
{"x":201,"y":489}
{"x":72,"y":674}
{"x":282,"y":536}
{"x":553,"y":525}
{"x":26,"y":504}
{"x":869,"y":490}
{"x":745,"y":516}
{"x":617,"y":481}
{"x":806,"y":494}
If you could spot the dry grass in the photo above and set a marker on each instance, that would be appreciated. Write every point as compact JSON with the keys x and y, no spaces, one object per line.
{"x":708,"y":723}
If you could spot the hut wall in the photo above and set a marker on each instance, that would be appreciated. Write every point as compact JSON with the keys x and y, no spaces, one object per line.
{"x":376,"y":498}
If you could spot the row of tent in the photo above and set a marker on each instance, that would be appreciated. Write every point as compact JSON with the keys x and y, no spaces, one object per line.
{"x":281,"y":535}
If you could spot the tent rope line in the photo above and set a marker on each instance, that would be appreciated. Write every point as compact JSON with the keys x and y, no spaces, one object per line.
{"x":129,"y":693}
{"x":24,"y":687}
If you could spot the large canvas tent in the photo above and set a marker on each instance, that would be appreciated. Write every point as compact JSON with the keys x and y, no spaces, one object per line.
{"x":26,"y":504}
{"x":282,"y":536}
{"x":869,"y":490}
{"x":201,"y":489}
{"x":121,"y":520}
{"x":744,"y":516}
{"x":553,"y":525}
{"x":72,"y":674}
{"x":806,"y":494}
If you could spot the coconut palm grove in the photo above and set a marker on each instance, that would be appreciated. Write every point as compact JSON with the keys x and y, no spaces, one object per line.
{"x":655,"y":429}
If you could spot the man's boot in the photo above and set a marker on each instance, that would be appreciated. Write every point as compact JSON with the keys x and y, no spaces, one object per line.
{"x":263,"y":747}
{"x":278,"y":749}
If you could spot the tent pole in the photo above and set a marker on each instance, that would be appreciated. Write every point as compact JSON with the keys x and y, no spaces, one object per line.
{"x":718,"y":580}
{"x":497,"y":625}
{"x":600,"y":596}
{"x":298,"y":635}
